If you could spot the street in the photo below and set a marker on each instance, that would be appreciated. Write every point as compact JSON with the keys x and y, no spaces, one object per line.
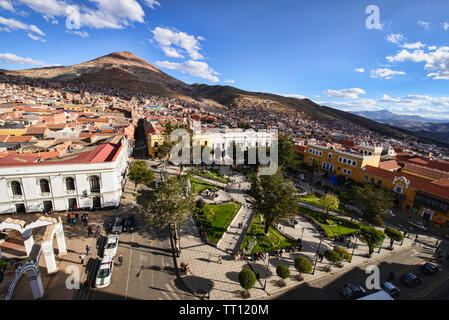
{"x":432,"y":288}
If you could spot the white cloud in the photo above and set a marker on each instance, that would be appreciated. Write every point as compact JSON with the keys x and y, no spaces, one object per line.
{"x":433,"y":47}
{"x":385,"y":73}
{"x":194,"y":68}
{"x":6,"y":5}
{"x":445,"y":25}
{"x":416,"y":45}
{"x":36,"y":38}
{"x":152,"y":3}
{"x":424,"y":24}
{"x":352,"y":93}
{"x":297,"y":96}
{"x":13,"y":59}
{"x":437,"y":61}
{"x":113,"y":14}
{"x":171,"y":52}
{"x":395,"y":38}
{"x":17,"y":25}
{"x":177,"y":42}
{"x":228,"y":81}
{"x":82,"y":34}
{"x":360,"y":70}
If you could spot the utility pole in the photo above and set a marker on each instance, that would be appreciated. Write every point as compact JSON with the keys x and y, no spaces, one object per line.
{"x":353,"y":248}
{"x":266,"y":271}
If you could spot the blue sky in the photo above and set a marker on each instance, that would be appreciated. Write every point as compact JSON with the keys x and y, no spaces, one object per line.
{"x":322,"y":51}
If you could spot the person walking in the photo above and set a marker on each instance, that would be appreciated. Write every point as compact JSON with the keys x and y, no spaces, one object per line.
{"x":89,"y":231}
{"x":82,"y":258}
{"x":120,"y":260}
{"x":219,"y":260}
{"x":87,"y":250}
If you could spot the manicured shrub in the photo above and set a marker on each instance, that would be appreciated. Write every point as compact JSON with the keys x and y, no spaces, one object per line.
{"x":283,"y":272}
{"x":345,"y":255}
{"x":303,"y":265}
{"x":247,"y":280}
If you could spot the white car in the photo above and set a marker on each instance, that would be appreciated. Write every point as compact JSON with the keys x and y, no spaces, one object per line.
{"x":111,"y":245}
{"x":391,"y":213}
{"x":104,"y":274}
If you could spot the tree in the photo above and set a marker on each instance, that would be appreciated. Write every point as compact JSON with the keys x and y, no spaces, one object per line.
{"x":140,"y":174}
{"x":303,"y":265}
{"x":373,"y":198}
{"x":330,"y":202}
{"x":372,"y":237}
{"x":247,"y":280}
{"x":345,"y":255}
{"x":283,"y":272}
{"x":287,"y":155}
{"x":170,"y":203}
{"x":394,"y":235}
{"x":333,"y":257}
{"x":274,"y":198}
{"x":341,"y":179}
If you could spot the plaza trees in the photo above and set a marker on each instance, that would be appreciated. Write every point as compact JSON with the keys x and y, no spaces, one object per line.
{"x":333,"y":257}
{"x":302,"y":265}
{"x":372,"y":237}
{"x":247,"y":280}
{"x":140,"y":174}
{"x":169,"y":204}
{"x":274,"y":197}
{"x":283,"y":272}
{"x":394,"y":235}
{"x":374,"y":199}
{"x":330,"y":202}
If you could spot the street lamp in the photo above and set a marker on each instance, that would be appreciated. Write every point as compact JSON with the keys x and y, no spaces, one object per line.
{"x":302,"y":233}
{"x":266,"y":271}
{"x":353,"y":248}
{"x":316,"y":256}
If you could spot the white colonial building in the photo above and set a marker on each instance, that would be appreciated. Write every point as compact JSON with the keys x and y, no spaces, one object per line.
{"x":90,"y":178}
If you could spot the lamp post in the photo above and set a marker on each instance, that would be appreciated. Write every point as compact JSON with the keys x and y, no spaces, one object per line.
{"x":353,"y":248}
{"x":302,"y":233}
{"x":266,"y":271}
{"x":316,"y":256}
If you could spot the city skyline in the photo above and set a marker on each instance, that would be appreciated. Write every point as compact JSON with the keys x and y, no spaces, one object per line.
{"x":323,"y":52}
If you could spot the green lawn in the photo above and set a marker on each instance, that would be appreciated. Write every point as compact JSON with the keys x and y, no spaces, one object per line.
{"x":210,"y":174}
{"x":274,"y":241}
{"x":215,"y":219}
{"x":330,"y":223}
{"x":199,"y":186}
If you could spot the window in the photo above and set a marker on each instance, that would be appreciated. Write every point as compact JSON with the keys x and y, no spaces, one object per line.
{"x":329,"y":156}
{"x":346,"y":171}
{"x":156,"y":144}
{"x":20,"y":208}
{"x":94,"y":184}
{"x":45,"y":186}
{"x":70,"y":184}
{"x":398,"y":189}
{"x":16,"y":188}
{"x":354,"y":163}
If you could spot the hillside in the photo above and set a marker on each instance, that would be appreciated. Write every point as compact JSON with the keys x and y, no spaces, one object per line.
{"x":124,"y":70}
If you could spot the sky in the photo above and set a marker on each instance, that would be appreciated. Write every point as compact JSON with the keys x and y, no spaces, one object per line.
{"x":353,"y":55}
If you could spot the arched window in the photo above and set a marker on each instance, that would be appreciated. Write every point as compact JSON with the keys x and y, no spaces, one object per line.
{"x":94,"y":184}
{"x":16,"y":188}
{"x":45,"y":186}
{"x":70,"y":184}
{"x":156,"y":144}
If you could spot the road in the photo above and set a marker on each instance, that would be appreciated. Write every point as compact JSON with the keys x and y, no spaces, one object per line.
{"x":433,"y":287}
{"x":147,"y":272}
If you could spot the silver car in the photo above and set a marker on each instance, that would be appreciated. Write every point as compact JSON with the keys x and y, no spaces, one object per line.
{"x":118,"y":225}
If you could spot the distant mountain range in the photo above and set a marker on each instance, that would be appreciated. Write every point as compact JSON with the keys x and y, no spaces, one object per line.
{"x":124,"y":70}
{"x":435,"y":129}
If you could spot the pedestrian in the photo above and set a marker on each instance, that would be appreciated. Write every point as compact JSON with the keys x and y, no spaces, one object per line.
{"x":87,"y":250}
{"x":436,"y":244}
{"x":89,"y":231}
{"x":416,"y":238}
{"x":82,"y":258}
{"x":76,"y":216}
{"x":68,"y":217}
{"x":120,"y":260}
{"x":219,"y":260}
{"x":321,"y":257}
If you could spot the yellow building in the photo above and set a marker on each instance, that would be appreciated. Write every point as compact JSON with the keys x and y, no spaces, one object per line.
{"x":12,"y":132}
{"x":330,"y":158}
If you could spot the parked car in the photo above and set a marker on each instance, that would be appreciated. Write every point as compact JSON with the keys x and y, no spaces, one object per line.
{"x":352,"y":291}
{"x":391,"y":213}
{"x":111,"y":245}
{"x":129,"y":224}
{"x":417,"y":225}
{"x":410,"y":279}
{"x":391,"y":289}
{"x":118,"y":225}
{"x":158,"y":166}
{"x":104,"y":274}
{"x":429,"y":268}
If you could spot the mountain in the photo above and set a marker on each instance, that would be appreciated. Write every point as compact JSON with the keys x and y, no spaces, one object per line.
{"x":120,"y":70}
{"x":435,"y":129}
{"x":125,"y":71}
